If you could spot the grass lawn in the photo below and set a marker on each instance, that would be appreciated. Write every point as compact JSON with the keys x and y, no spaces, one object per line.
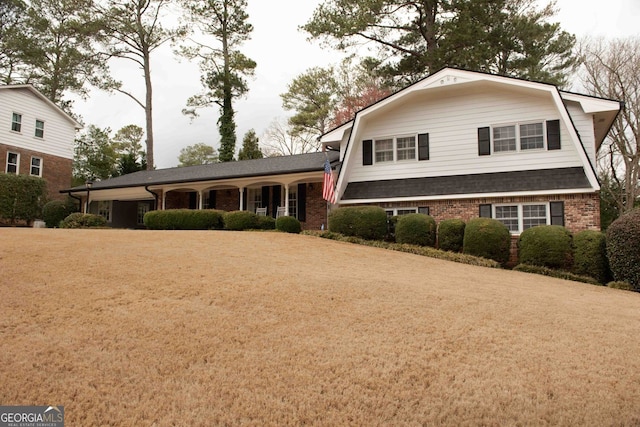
{"x":239,"y":328}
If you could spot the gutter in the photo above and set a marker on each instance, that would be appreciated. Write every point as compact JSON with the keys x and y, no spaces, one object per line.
{"x":72,"y":196}
{"x":156,"y":196}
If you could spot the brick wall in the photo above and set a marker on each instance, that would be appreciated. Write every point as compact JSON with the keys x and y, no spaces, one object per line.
{"x":228,"y":200}
{"x":316,"y":208}
{"x":56,"y":171}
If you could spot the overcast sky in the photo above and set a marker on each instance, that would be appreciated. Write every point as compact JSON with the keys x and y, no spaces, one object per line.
{"x":281,"y":52}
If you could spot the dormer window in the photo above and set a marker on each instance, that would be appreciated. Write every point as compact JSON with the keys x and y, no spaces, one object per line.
{"x":16,"y":122}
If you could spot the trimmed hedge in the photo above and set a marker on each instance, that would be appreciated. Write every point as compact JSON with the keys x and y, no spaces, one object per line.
{"x":184,"y":219}
{"x":487,"y":238}
{"x":451,"y":235}
{"x":623,"y":248}
{"x":55,"y":211}
{"x":559,"y":274}
{"x":590,"y":255}
{"x":82,"y":220}
{"x":288,"y":224}
{"x":625,"y":286}
{"x":266,"y":222}
{"x":367,"y":222}
{"x":241,"y":220}
{"x":416,"y":229}
{"x":546,"y":246}
{"x":21,"y":197}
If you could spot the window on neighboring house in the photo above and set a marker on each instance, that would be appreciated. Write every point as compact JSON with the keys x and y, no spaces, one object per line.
{"x":13,"y":163}
{"x":36,"y":166}
{"x":293,"y":201}
{"x":39,"y":129}
{"x":520,"y":217}
{"x":143,"y":208}
{"x":384,"y":150}
{"x":104,"y":209}
{"x":16,"y":122}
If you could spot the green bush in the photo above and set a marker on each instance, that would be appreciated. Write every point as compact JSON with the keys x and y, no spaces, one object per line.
{"x":625,"y":286}
{"x":21,"y":197}
{"x":241,"y":220}
{"x":288,"y":224}
{"x":546,"y":246}
{"x":184,"y":219}
{"x":451,"y":235}
{"x":416,"y":229}
{"x":487,"y":238}
{"x":559,"y":274}
{"x":55,"y":211}
{"x":367,"y":222}
{"x":81,"y":220}
{"x":623,"y":248}
{"x":590,"y":255}
{"x":266,"y":222}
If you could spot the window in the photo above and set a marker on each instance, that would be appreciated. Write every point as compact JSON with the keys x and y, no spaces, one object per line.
{"x":518,"y":218}
{"x":13,"y":162}
{"x":16,"y":122}
{"x":529,"y":136}
{"x":384,"y":150}
{"x":400,"y":211}
{"x":104,"y":209}
{"x":39,"y":129}
{"x":254,"y":199}
{"x":36,"y":166}
{"x":504,"y":139}
{"x":293,"y":201}
{"x":143,"y":208}
{"x":406,"y":148}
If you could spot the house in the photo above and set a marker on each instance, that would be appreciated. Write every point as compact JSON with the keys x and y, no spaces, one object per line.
{"x":457,"y":144}
{"x":37,"y":137}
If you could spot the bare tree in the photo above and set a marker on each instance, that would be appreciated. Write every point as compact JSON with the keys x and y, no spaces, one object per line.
{"x":280,"y":140}
{"x":609,"y":69}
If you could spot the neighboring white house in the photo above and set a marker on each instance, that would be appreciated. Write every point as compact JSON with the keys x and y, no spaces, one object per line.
{"x":457,"y":144}
{"x":461,"y":144}
{"x":36,"y":137}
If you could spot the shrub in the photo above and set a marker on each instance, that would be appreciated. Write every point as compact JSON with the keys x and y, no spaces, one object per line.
{"x":183,"y":219}
{"x":21,"y":197}
{"x":240,"y":220}
{"x":590,"y":255}
{"x":82,"y":220}
{"x":487,"y":238}
{"x":546,"y":246}
{"x":560,"y":274}
{"x":451,"y":235}
{"x":266,"y":222}
{"x":288,"y":224}
{"x":416,"y":229}
{"x":625,"y":286}
{"x":55,"y":211}
{"x":367,"y":222}
{"x":623,"y":248}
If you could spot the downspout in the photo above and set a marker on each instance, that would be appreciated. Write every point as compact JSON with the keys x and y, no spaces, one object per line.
{"x":156,"y":196}
{"x":74,"y":197}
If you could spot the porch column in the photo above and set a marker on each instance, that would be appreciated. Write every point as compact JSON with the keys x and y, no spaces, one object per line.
{"x":200,"y":200}
{"x":164,"y":200}
{"x":241,"y":198}
{"x":286,"y":200}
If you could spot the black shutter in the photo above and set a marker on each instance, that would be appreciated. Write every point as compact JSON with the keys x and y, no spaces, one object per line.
{"x":212,"y":199}
{"x":275,"y":201}
{"x":553,"y":134}
{"x":423,"y":146}
{"x":367,"y":152}
{"x":244,"y":199}
{"x":424,"y":210}
{"x":485,"y":211}
{"x":193,"y":200}
{"x":265,"y":196}
{"x":484,"y":141}
{"x":557,"y":213}
{"x":302,"y":202}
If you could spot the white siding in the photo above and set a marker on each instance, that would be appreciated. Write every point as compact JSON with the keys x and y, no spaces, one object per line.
{"x":584,"y":125}
{"x":452,"y":119}
{"x":59,"y":132}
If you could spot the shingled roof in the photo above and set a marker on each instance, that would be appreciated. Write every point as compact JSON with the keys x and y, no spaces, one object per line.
{"x":283,"y":165}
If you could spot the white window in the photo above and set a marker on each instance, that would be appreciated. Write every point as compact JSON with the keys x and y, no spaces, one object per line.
{"x":39,"y":129}
{"x":520,"y":217}
{"x":293,"y":201}
{"x":13,"y":163}
{"x":406,"y":148}
{"x":395,"y":149}
{"x":400,"y":211}
{"x":143,"y":208}
{"x":527,"y":136}
{"x":254,"y":199}
{"x":36,"y":166}
{"x":384,"y":150}
{"x":16,"y":122}
{"x":104,"y":209}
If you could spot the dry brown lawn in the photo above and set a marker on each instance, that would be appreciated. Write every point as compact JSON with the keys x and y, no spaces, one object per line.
{"x":136,"y":328}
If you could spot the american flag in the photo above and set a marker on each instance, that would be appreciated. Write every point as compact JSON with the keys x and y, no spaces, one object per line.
{"x":328,"y":185}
